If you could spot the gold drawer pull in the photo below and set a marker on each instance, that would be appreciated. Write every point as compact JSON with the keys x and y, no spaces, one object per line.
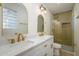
{"x":45,"y":54}
{"x":51,"y":45}
{"x":45,"y":45}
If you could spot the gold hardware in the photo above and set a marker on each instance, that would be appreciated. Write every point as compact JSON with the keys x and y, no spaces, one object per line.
{"x":45,"y":54}
{"x":45,"y":45}
{"x":51,"y":45}
{"x":17,"y":36}
{"x":12,"y":41}
{"x":20,"y":36}
{"x":16,"y":33}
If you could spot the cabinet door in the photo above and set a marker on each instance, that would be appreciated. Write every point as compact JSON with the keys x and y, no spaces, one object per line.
{"x":50,"y":49}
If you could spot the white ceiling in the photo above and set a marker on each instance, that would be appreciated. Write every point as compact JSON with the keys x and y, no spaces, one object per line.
{"x":59,"y":7}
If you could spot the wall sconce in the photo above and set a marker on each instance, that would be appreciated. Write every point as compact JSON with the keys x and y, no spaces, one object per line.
{"x":43,"y":9}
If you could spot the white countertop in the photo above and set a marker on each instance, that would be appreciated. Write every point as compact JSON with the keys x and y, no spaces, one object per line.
{"x":17,"y":48}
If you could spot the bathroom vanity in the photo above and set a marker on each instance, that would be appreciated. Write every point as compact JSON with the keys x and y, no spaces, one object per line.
{"x":36,"y":46}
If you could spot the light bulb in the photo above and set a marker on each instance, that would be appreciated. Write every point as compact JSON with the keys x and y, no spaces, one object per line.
{"x":45,"y":11}
{"x":42,"y":8}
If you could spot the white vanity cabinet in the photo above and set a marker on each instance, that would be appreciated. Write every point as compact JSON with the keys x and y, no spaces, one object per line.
{"x":43,"y":49}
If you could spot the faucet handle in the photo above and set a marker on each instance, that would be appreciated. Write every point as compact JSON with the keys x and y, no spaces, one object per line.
{"x":23,"y":39}
{"x":11,"y":40}
{"x":16,"y":33}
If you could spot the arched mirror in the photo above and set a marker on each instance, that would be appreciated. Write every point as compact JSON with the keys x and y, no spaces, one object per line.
{"x":15,"y":18}
{"x":40,"y":23}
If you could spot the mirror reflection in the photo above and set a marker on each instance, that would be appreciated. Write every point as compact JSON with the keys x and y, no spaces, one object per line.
{"x":15,"y":19}
{"x":40,"y":23}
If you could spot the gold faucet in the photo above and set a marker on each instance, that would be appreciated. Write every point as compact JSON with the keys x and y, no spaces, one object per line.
{"x":20,"y":36}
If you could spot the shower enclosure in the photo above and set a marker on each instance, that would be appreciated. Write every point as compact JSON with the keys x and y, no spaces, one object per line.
{"x":62,"y":30}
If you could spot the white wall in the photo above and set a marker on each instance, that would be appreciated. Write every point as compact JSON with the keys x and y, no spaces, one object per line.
{"x":76,"y":27}
{"x":33,"y":12}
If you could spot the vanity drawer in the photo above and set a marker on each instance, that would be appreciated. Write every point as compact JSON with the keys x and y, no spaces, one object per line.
{"x":44,"y":53}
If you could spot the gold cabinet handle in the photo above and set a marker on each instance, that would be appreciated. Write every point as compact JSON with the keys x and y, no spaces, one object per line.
{"x":45,"y":45}
{"x":51,"y":45}
{"x":45,"y":54}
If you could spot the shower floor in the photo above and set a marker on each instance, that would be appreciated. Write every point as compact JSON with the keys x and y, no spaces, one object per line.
{"x":68,"y":48}
{"x":67,"y":51}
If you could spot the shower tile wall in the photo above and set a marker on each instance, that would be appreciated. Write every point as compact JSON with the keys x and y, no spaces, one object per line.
{"x":65,"y":31}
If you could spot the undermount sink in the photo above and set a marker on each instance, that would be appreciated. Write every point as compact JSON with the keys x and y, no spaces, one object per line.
{"x":20,"y":44}
{"x":26,"y":42}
